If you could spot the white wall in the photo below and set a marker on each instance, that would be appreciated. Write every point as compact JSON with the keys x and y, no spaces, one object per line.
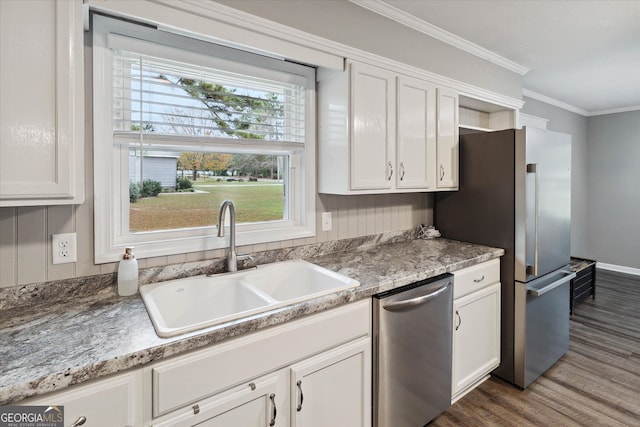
{"x":613,"y":182}
{"x":25,"y":247}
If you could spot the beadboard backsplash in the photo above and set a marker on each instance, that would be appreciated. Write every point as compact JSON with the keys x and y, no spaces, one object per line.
{"x":25,"y":234}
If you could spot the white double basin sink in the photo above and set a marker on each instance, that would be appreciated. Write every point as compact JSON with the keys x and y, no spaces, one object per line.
{"x":184,"y":305}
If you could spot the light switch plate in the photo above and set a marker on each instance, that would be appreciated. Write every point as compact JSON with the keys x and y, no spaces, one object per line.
{"x":326,"y":221}
{"x":64,"y":248}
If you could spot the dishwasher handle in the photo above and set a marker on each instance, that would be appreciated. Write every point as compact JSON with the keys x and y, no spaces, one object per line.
{"x":408,"y":304}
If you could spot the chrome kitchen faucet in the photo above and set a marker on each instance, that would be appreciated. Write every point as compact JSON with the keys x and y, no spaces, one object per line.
{"x":232,"y":257}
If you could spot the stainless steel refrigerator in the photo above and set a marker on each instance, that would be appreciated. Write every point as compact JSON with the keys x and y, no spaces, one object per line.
{"x":515,"y":193}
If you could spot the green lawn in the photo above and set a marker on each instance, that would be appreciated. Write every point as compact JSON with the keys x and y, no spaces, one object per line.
{"x":254,"y":202}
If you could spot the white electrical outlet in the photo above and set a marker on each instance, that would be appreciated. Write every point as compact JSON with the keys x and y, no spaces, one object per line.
{"x":64,"y":248}
{"x":326,"y":221}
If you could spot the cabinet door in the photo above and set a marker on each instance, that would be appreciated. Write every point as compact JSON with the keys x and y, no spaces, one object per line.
{"x":257,"y":403}
{"x":476,"y":336}
{"x":41,"y":107}
{"x":112,"y":402}
{"x":372,"y":127}
{"x":416,"y":134}
{"x":447,"y":139}
{"x":333,"y":388}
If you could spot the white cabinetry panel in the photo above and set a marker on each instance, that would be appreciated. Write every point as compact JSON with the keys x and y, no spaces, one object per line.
{"x":254,"y":404}
{"x":41,"y":108}
{"x":476,"y":326}
{"x":385,"y":132}
{"x":113,"y":402}
{"x":372,"y":127}
{"x":333,"y":388}
{"x":447,"y":139}
{"x":416,"y":136}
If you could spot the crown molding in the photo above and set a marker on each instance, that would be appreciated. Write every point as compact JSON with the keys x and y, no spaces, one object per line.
{"x":226,"y":15}
{"x":552,"y":101}
{"x":560,"y":104}
{"x":614,"y":110}
{"x":404,"y":18}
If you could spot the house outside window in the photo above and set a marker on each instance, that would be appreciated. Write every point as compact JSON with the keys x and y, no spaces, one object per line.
{"x":182,"y":124}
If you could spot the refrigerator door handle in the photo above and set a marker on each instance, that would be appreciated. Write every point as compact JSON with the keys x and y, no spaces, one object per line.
{"x":533,"y":168}
{"x":551,"y":286}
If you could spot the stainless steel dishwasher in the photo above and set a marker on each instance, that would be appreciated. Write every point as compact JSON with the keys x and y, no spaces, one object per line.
{"x":412,"y":352}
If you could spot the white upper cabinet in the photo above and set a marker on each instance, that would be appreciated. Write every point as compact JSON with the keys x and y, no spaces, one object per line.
{"x":373,"y":120}
{"x":416,"y":142}
{"x":380,"y":132}
{"x":41,"y":107}
{"x":447,"y":139}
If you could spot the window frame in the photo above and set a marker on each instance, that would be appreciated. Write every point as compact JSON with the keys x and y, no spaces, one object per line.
{"x":111,"y":210}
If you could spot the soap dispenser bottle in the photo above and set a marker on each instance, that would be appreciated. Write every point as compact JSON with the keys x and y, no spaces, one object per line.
{"x":128,"y":273}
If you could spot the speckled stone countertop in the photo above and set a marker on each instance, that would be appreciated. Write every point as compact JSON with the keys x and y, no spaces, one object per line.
{"x":46,"y":347}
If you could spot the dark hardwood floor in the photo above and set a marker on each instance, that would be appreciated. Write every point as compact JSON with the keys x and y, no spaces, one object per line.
{"x":597,"y":383}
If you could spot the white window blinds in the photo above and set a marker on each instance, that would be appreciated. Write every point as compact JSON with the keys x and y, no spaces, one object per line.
{"x":187,"y":101}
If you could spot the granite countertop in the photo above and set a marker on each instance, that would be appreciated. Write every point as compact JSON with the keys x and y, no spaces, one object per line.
{"x":47,"y":347}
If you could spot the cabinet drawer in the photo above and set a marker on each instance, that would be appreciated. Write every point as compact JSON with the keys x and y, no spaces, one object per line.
{"x":114,"y":401}
{"x":245,"y":405}
{"x":473,"y":278}
{"x":204,"y":372}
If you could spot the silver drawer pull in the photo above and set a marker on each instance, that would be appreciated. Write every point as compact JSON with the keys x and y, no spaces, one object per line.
{"x":272,"y":396}
{"x":478,"y":280}
{"x":299,"y":407}
{"x":459,"y":320}
{"x":80,"y":421}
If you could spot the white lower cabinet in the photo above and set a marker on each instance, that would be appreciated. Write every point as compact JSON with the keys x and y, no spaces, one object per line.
{"x":315,"y":371}
{"x":258,"y":403}
{"x":476,"y":326}
{"x":112,"y":402}
{"x":333,"y":388}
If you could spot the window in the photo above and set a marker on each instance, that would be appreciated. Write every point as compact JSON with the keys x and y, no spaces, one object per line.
{"x":181,"y":125}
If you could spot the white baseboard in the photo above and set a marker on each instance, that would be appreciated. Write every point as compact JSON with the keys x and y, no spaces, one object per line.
{"x":618,"y":268}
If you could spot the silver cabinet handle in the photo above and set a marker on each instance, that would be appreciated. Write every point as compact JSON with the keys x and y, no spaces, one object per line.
{"x":299,"y":384}
{"x":402,"y":171}
{"x":272,"y":396}
{"x":422,"y":299}
{"x":390,"y":168}
{"x":459,"y":320}
{"x":441,"y":172}
{"x":80,"y":421}
{"x":478,"y":280}
{"x":533,"y":168}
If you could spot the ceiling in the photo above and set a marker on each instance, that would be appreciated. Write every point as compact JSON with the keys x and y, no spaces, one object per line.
{"x":582,"y":54}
